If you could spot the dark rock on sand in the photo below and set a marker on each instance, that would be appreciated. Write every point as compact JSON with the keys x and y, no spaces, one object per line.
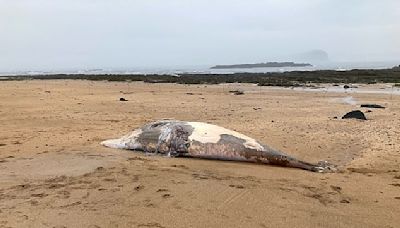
{"x":237,"y":92}
{"x":122,"y":99}
{"x":371,"y":106}
{"x":357,"y":114}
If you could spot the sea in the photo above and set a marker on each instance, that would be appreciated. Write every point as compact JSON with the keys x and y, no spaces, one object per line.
{"x":206,"y":69}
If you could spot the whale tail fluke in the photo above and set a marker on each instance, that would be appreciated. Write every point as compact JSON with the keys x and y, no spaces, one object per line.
{"x":324,"y":167}
{"x":320,"y":167}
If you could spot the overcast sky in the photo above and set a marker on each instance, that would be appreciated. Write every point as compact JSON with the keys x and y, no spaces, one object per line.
{"x":71,"y":34}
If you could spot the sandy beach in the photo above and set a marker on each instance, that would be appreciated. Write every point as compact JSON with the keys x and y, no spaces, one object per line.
{"x":54,"y":172}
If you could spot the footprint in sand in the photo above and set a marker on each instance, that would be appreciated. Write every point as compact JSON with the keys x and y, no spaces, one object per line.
{"x":178,"y":182}
{"x":238,"y":186}
{"x":71,"y":204}
{"x":34,"y":202}
{"x":320,"y":197}
{"x":39,"y":195}
{"x":93,"y":226}
{"x":180,"y":166}
{"x":56,"y":186}
{"x":151,"y":224}
{"x":137,"y":159}
{"x":148,"y":203}
{"x":63,"y":194}
{"x":344,"y":201}
{"x":110,"y":179}
{"x":59,"y":226}
{"x":336,"y":188}
{"x":166,"y":195}
{"x":200,"y":176}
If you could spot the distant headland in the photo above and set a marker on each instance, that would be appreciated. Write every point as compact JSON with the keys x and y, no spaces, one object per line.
{"x":259,"y":65}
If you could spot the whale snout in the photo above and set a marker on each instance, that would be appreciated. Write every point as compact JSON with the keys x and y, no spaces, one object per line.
{"x":114,"y":143}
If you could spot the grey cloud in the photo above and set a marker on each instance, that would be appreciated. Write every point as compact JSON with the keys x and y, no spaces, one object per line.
{"x":62,"y":34}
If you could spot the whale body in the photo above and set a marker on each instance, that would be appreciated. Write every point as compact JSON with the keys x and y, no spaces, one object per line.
{"x":176,"y":138}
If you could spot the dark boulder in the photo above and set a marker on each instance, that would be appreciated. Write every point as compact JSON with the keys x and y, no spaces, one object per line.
{"x":371,"y":106}
{"x":357,"y":114}
{"x":122,"y":99}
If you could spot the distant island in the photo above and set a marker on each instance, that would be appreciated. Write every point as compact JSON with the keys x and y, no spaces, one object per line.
{"x":258,"y":65}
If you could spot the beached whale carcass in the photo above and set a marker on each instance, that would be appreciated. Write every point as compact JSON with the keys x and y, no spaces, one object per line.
{"x":202,"y":140}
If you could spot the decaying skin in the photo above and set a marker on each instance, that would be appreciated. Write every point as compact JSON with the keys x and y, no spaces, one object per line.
{"x":201,"y":140}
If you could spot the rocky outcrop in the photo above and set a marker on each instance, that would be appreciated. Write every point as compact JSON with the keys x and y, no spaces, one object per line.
{"x":259,"y":65}
{"x":357,"y":114}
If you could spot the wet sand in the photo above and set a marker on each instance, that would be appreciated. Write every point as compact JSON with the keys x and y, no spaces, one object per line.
{"x":54,"y":173}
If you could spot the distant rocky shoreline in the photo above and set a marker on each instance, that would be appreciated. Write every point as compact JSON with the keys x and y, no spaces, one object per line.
{"x":286,"y":79}
{"x":261,"y":65}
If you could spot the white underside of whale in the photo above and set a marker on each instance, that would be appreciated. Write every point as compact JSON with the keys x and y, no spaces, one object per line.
{"x":202,"y":132}
{"x":209,"y":133}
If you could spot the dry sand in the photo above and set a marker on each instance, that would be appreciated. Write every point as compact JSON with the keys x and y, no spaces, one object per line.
{"x":54,"y":173}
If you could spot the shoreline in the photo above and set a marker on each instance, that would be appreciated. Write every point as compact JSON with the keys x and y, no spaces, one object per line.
{"x":285,"y":79}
